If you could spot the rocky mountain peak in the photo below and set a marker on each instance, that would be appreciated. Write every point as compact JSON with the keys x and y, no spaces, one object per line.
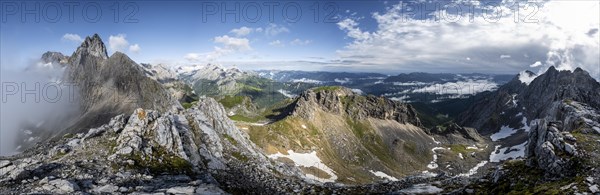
{"x":555,"y":86}
{"x":532,"y":98}
{"x":54,"y":57}
{"x":111,"y":86}
{"x":94,"y":46}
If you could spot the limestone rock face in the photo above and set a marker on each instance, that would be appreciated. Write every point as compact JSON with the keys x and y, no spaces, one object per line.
{"x":144,"y":147}
{"x":195,"y":135}
{"x":341,"y":100}
{"x":455,"y":134}
{"x":550,"y":148}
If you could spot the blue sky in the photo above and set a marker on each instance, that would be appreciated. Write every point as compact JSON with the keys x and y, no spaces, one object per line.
{"x":168,"y":31}
{"x":366,"y":36}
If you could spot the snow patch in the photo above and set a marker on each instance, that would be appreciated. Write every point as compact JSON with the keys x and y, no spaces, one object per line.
{"x":515,"y":151}
{"x":308,"y":160}
{"x":286,"y":93}
{"x":594,"y":188}
{"x":427,"y":174}
{"x":433,"y":164}
{"x":436,"y":142}
{"x":460,"y":156}
{"x":473,"y":147}
{"x":513,"y":101}
{"x":525,"y":124}
{"x":304,"y":126}
{"x":597,"y":129}
{"x":383,"y":175}
{"x":358,"y":91}
{"x":422,"y":189}
{"x":504,"y":132}
{"x":473,"y":170}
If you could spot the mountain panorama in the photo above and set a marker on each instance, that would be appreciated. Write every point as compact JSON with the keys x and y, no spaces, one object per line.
{"x":151,"y":128}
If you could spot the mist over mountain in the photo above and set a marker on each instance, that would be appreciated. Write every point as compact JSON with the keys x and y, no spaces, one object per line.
{"x":35,"y":102}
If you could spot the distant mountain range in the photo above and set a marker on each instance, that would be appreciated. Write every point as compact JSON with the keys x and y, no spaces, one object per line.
{"x":412,"y":87}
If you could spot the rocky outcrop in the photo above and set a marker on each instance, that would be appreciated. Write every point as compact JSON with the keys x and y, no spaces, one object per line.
{"x":551,"y":149}
{"x":194,"y":135}
{"x":343,"y":101}
{"x":178,"y":151}
{"x":551,"y":145}
{"x":455,"y":134}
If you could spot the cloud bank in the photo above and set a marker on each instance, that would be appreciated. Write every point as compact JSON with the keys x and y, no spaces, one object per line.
{"x":555,"y":33}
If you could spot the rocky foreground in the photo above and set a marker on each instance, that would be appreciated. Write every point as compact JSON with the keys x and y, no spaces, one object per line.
{"x":192,"y":151}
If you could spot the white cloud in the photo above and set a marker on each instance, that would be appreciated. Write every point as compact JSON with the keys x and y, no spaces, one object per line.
{"x":242,"y":31}
{"x":274,"y":29}
{"x":353,"y":30}
{"x":300,"y":42}
{"x":526,"y":78}
{"x":193,"y":56}
{"x":232,"y":43}
{"x":270,"y":30}
{"x":560,"y":38}
{"x":135,"y":48}
{"x":72,"y":37}
{"x":536,"y":64}
{"x":118,"y":42}
{"x":468,"y":87}
{"x":229,"y":45}
{"x":504,"y":56}
{"x":276,"y":43}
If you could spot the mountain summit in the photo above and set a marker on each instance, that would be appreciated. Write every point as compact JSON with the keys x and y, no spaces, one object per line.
{"x":91,"y":46}
{"x":531,"y":99}
{"x":109,"y":86}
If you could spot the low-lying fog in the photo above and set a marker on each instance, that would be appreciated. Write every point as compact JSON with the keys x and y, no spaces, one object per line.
{"x":34,"y":102}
